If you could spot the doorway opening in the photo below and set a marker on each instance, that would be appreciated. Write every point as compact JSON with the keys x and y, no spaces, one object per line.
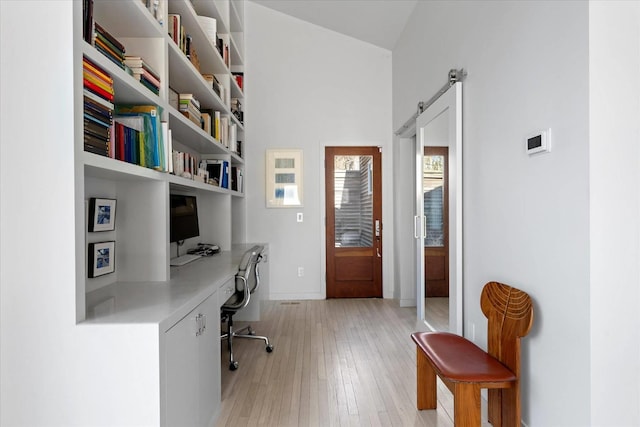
{"x":353,"y":233}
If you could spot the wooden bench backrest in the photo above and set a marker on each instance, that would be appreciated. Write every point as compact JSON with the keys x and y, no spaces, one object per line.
{"x":509,"y":312}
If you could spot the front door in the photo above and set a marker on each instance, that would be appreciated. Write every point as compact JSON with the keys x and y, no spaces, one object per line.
{"x":436,"y":212}
{"x":353,"y":186}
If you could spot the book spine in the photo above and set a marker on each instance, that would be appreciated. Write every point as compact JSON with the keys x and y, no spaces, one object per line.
{"x":97,"y":99}
{"x":108,"y":36}
{"x":97,"y":90}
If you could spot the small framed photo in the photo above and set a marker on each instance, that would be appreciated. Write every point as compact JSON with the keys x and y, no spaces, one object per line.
{"x":102,"y":258}
{"x":102,"y":214}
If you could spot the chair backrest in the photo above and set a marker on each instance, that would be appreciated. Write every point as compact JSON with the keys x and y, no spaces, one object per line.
{"x":249,"y":269}
{"x":509,"y":312}
{"x":247,"y":278}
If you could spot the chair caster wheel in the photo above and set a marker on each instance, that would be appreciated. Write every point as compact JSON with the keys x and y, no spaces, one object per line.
{"x":233,"y":366}
{"x":269,"y":348}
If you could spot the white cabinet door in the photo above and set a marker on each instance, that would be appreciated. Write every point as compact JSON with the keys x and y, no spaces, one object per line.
{"x":192,"y":370}
{"x":181,"y":373}
{"x":209,"y":362}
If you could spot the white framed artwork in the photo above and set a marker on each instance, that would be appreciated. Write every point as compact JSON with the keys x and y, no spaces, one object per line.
{"x":284,"y":178}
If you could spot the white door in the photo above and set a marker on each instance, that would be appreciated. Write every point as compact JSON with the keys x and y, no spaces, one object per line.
{"x":440,"y":125}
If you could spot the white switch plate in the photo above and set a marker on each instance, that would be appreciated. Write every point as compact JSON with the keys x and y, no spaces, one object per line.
{"x":299,"y":216}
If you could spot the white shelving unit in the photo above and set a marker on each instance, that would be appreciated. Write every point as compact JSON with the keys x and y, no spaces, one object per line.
{"x":142,"y":236}
{"x":147,"y":307}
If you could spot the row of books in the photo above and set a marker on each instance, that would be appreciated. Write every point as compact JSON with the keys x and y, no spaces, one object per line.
{"x":207,"y":169}
{"x":144,"y":139}
{"x":98,"y":95}
{"x":184,"y":40}
{"x":219,"y":89}
{"x":218,"y":171}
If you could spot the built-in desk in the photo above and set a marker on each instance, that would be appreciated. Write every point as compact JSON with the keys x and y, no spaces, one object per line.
{"x":157,"y":344}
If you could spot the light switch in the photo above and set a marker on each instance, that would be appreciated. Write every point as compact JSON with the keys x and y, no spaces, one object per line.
{"x":299,"y":216}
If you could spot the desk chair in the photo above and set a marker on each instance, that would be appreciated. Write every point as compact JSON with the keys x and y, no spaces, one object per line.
{"x":247,"y":282}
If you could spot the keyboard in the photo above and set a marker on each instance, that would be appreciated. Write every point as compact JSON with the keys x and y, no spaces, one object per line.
{"x":184,"y":259}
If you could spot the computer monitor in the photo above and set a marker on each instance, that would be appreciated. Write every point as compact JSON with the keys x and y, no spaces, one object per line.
{"x":184,"y":218}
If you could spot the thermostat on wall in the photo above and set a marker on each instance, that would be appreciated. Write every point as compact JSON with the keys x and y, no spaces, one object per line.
{"x":538,"y":142}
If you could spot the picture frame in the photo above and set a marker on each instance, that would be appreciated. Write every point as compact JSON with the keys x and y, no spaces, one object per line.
{"x":102,"y":258}
{"x":284,"y":183}
{"x":102,"y":214}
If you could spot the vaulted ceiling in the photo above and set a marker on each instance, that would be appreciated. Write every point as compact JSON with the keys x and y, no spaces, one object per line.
{"x":379,"y":22}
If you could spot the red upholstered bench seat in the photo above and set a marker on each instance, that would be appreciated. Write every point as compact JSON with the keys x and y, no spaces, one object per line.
{"x":459,"y":360}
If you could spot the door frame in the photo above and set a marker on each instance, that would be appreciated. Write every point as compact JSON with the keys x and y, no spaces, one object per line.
{"x":451,"y":100}
{"x":378,"y":244}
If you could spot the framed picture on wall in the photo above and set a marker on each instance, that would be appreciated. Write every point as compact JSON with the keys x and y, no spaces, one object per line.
{"x":102,"y":214}
{"x":284,"y":178}
{"x":102,"y":258}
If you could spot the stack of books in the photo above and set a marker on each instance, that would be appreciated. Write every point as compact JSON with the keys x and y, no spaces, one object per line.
{"x":108,"y":45}
{"x":142,"y":72}
{"x":190,"y":108}
{"x":98,"y":95}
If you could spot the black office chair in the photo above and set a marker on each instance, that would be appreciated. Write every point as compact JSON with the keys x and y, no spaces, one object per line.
{"x":247,"y":282}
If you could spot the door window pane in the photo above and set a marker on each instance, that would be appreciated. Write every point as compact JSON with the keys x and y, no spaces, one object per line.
{"x":353,"y":201}
{"x":433,"y":188}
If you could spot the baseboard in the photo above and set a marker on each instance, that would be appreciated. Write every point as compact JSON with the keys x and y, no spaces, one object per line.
{"x":407,"y":302}
{"x":295,"y":296}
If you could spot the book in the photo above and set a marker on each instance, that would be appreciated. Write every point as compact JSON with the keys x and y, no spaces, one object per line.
{"x":97,"y":90}
{"x":98,"y":82}
{"x":87,"y":20}
{"x":96,"y":129}
{"x":97,"y":99}
{"x":99,"y":29}
{"x":109,"y":56}
{"x":97,"y":111}
{"x":110,"y":46}
{"x":87,"y":64}
{"x":216,"y":125}
{"x":95,"y":120}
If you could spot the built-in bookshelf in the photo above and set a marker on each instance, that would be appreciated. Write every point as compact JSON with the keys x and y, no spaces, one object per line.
{"x":210,"y":70}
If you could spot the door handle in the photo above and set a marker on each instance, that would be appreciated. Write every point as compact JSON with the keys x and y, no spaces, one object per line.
{"x":378,"y":252}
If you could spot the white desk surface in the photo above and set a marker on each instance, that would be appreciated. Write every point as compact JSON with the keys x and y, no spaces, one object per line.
{"x":165,"y":303}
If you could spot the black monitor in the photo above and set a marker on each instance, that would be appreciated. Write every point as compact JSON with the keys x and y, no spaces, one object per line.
{"x":184,"y":218}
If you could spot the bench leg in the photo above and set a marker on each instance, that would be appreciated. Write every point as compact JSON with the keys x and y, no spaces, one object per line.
{"x":494,"y":410}
{"x":466,"y":405}
{"x":426,"y":379}
{"x":509,"y":410}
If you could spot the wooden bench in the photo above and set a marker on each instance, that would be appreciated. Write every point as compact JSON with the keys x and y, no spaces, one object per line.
{"x":465,"y":368}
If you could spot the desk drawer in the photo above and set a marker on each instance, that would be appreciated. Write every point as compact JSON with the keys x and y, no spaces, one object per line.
{"x":226,"y":291}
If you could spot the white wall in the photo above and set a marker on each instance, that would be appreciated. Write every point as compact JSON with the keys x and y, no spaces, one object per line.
{"x":309,"y":87}
{"x":37,"y":223}
{"x":614,"y":52}
{"x":526,"y":218}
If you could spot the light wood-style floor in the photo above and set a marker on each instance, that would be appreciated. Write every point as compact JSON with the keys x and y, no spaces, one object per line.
{"x":347,"y":362}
